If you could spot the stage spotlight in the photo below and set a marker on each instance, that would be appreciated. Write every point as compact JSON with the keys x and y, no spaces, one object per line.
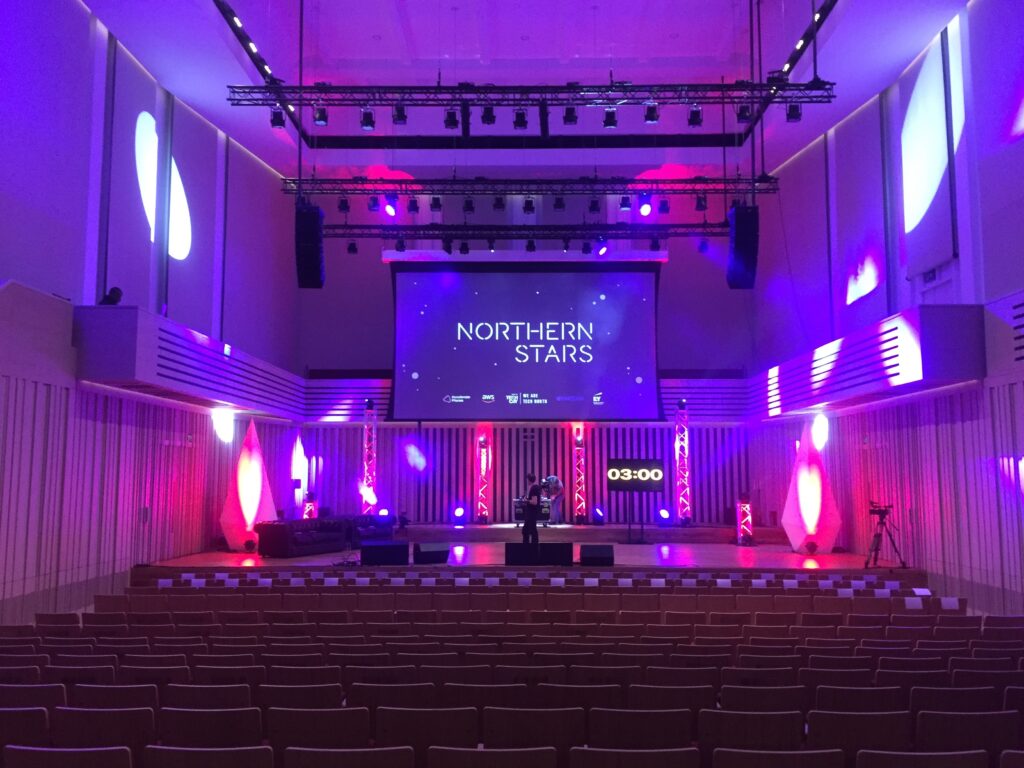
{"x":585,"y":248}
{"x":624,"y":203}
{"x":391,"y":205}
{"x":343,"y":206}
{"x":528,"y":207}
{"x":655,"y":244}
{"x":464,"y":248}
{"x":611,"y":117}
{"x":531,"y":246}
{"x":519,"y":119}
{"x":373,"y":204}
{"x":446,"y":245}
{"x":597,"y":518}
{"x":277,"y":117}
{"x":400,"y":245}
{"x":595,"y":205}
{"x":663,"y":206}
{"x":701,"y":203}
{"x":459,"y":515}
{"x":645,"y":204}
{"x":744,"y":113}
{"x":320,"y":116}
{"x":696,"y":116}
{"x":451,"y":118}
{"x":366,"y":119}
{"x":569,"y":116}
{"x":468,"y":206}
{"x":352,"y":248}
{"x":793,"y":113}
{"x":414,"y":205}
{"x":398,"y":115}
{"x":559,"y":203}
{"x":651,"y":114}
{"x":565,"y":245}
{"x":664,"y":518}
{"x":490,"y":244}
{"x":487,"y":116}
{"x":602,"y":247}
{"x":499,"y":203}
{"x":435,"y":204}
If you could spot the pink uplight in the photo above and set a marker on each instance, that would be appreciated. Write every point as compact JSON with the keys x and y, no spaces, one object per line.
{"x":810,"y":564}
{"x":250,"y":483}
{"x":809,"y":494}
{"x":248,"y":563}
{"x":367,"y":494}
{"x":863,"y":281}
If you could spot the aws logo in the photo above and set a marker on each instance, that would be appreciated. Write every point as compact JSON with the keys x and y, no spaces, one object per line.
{"x":179,"y":234}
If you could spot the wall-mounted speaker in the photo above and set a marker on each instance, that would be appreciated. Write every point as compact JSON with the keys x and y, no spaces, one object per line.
{"x":309,"y":245}
{"x":743,"y":226}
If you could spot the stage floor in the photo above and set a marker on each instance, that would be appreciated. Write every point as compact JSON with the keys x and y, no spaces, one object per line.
{"x":714,"y":556}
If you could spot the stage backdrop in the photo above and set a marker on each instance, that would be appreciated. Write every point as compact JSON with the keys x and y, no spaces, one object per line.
{"x":425,"y":471}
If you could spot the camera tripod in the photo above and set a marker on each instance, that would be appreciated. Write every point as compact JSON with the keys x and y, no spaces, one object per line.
{"x":883,"y":526}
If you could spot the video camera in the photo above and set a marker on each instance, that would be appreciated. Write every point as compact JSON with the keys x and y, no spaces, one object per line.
{"x":880,"y":510}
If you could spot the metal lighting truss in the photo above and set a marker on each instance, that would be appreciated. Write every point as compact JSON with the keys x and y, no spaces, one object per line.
{"x":360,"y":185}
{"x":615,"y":94}
{"x":590,"y":232}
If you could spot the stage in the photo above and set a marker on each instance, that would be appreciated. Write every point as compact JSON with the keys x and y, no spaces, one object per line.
{"x":662,"y":548}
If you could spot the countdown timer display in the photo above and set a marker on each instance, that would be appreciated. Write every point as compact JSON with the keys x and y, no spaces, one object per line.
{"x":635,"y":475}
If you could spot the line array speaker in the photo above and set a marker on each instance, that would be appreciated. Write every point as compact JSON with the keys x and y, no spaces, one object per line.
{"x":309,"y":245}
{"x":743,"y":227}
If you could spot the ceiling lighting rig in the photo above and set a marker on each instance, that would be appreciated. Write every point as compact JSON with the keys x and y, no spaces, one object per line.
{"x":554,"y":232}
{"x":583,"y":186}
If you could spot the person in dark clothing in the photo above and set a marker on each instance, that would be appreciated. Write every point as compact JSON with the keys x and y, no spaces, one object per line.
{"x":531,"y":511}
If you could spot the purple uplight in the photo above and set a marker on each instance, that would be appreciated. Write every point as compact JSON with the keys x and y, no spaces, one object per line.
{"x":383,"y":512}
{"x":390,"y":210}
{"x":460,"y":512}
{"x":663,"y":513}
{"x":645,"y":209}
{"x":602,"y":250}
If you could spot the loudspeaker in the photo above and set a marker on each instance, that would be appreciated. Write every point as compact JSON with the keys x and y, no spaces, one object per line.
{"x":384,"y":553}
{"x":597,"y":554}
{"x":430,"y":554}
{"x":309,"y":245}
{"x":743,"y":226}
{"x":550,"y":553}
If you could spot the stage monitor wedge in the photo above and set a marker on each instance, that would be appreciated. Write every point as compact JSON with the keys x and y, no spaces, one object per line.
{"x":384,"y":553}
{"x":743,"y":236}
{"x":546,"y":553}
{"x":593,"y":555}
{"x":309,"y":246}
{"x":430,"y":554}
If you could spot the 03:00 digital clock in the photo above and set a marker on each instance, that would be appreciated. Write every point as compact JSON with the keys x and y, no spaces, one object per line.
{"x":635,"y":474}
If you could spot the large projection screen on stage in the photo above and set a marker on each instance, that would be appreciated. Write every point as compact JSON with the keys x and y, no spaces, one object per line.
{"x":534,"y":344}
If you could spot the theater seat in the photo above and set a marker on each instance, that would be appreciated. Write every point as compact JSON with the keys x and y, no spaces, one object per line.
{"x":223,"y":757}
{"x":454,"y":757}
{"x":639,"y":729}
{"x":43,"y":757}
{"x":867,"y":758}
{"x":388,"y":757}
{"x":586,"y":757}
{"x":747,"y":758}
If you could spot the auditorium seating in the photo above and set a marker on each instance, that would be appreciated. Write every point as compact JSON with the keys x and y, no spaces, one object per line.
{"x":296,"y":673}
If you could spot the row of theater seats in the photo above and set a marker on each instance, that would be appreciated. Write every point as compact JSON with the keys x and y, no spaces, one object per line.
{"x":630,"y":732}
{"x":495,"y":599}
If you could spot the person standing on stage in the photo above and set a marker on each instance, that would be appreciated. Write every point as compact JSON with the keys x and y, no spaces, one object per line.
{"x":556,"y":492}
{"x":531,"y":511}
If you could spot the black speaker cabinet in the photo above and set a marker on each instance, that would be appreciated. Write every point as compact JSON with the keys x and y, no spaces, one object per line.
{"x":597,"y":554}
{"x":309,"y":246}
{"x":430,"y":554}
{"x":550,"y":553}
{"x":384,"y":553}
{"x":743,"y":226}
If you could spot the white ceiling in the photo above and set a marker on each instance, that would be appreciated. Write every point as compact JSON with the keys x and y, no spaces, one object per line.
{"x":189,"y":49}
